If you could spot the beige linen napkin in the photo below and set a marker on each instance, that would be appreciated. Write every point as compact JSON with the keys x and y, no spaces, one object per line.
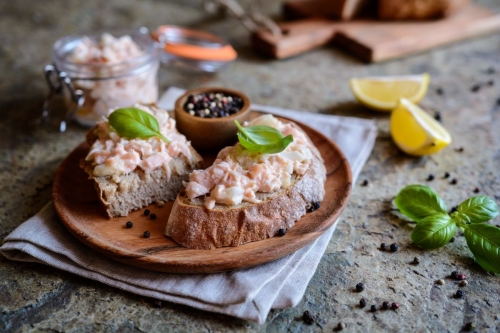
{"x":249,"y":293}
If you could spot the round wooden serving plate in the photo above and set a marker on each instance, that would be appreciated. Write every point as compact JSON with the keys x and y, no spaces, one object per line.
{"x":77,"y":205}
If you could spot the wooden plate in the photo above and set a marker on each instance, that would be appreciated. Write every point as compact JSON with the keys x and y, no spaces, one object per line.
{"x":77,"y":205}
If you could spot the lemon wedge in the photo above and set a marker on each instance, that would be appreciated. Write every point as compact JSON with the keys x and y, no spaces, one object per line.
{"x":384,"y":93}
{"x":415,"y":132}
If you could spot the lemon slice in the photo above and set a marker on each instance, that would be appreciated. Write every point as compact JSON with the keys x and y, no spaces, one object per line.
{"x":384,"y":93}
{"x":415,"y":132}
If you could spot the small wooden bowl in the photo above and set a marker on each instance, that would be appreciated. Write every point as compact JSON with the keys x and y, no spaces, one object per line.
{"x":210,"y":134}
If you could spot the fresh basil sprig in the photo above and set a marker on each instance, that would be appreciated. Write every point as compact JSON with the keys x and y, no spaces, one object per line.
{"x":435,"y":227}
{"x":133,"y":123}
{"x":262,"y":139}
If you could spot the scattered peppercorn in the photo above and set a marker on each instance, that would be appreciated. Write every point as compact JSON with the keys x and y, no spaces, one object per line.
{"x":373,"y":308}
{"x":470,"y":326}
{"x":439,"y":91}
{"x":281,"y":232}
{"x":462,"y":277}
{"x":454,"y":209}
{"x":452,"y":239}
{"x":440,"y":282}
{"x":477,"y":190}
{"x":454,"y":275}
{"x":341,"y":326}
{"x":459,"y":150}
{"x":360,"y":287}
{"x":446,"y":175}
{"x":394,"y":306}
{"x":308,"y":317}
{"x":416,"y":261}
{"x":498,"y":101}
{"x":384,"y":247}
{"x":453,"y":181}
{"x":394,"y":247}
{"x":365,"y":183}
{"x":385,"y":305}
{"x":213,"y":105}
{"x":362,"y":303}
{"x":491,"y":83}
{"x":437,"y":116}
{"x":146,"y":234}
{"x":459,"y":294}
{"x":146,"y":212}
{"x":152,"y":216}
{"x":475,"y":88}
{"x":463,"y":283}
{"x":490,"y":70}
{"x":129,"y":224}
{"x":430,"y":177}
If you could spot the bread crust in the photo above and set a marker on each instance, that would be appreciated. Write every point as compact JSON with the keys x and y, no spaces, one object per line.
{"x":192,"y":225}
{"x":418,"y":9}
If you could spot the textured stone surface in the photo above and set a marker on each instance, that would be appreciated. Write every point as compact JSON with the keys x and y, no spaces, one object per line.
{"x":36,"y":298}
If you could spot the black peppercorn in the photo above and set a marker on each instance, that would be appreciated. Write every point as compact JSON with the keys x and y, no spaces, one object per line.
{"x":437,"y":116}
{"x":439,"y":91}
{"x":470,"y":326}
{"x":394,"y":247}
{"x":454,"y":209}
{"x":430,"y":177}
{"x":454,"y":275}
{"x":362,"y":303}
{"x":308,"y":317}
{"x":129,"y":224}
{"x":477,"y":190}
{"x":490,"y":70}
{"x":316,"y":205}
{"x":360,"y":287}
{"x":146,"y":212}
{"x":446,"y":175}
{"x":373,"y":308}
{"x":281,"y":232}
{"x":146,"y":234}
{"x":491,"y":83}
{"x":416,"y":261}
{"x":152,"y":216}
{"x":459,"y":294}
{"x":384,"y":247}
{"x":365,"y":183}
{"x":453,"y":181}
{"x":475,"y":88}
{"x":460,"y":150}
{"x":385,"y":305}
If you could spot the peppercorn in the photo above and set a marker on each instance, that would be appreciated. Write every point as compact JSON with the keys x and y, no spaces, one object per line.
{"x":308,"y":317}
{"x":281,"y":232}
{"x":439,"y":91}
{"x":360,"y":287}
{"x":385,"y":305}
{"x":383,"y":247}
{"x":213,"y":105}
{"x":152,"y":216}
{"x":146,"y":234}
{"x":491,"y":83}
{"x":394,"y":306}
{"x":459,"y":294}
{"x":463,"y":283}
{"x":475,"y":88}
{"x":453,"y":181}
{"x":490,"y":70}
{"x":459,"y":150}
{"x":446,"y":175}
{"x":341,"y":326}
{"x":462,"y":277}
{"x":316,"y":205}
{"x":498,"y":101}
{"x":365,"y":183}
{"x":430,"y":177}
{"x":362,"y":303}
{"x":452,"y":239}
{"x":440,"y":282}
{"x":416,"y":261}
{"x":373,"y":308}
{"x":437,"y":116}
{"x":477,"y":190}
{"x":129,"y":224}
{"x":454,"y":209}
{"x":470,"y":326}
{"x":394,"y":247}
{"x":146,"y":212}
{"x":454,"y":275}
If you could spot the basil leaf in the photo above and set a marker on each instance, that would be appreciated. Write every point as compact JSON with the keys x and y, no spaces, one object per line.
{"x":418,"y":202}
{"x":132,"y":123}
{"x":477,"y":209}
{"x":484,"y":242}
{"x":434,"y":231}
{"x":263,"y":139}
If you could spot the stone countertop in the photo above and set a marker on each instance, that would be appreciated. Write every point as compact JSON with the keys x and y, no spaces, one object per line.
{"x":38,"y":298}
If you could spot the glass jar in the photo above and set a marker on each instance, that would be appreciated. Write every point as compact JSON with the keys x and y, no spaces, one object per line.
{"x":112,"y":79}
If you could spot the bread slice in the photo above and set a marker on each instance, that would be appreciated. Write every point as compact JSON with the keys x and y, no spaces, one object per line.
{"x":418,"y":9}
{"x":123,"y":193}
{"x":193,"y":225}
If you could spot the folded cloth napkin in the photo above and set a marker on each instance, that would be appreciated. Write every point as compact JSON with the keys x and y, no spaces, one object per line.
{"x":248,"y":293}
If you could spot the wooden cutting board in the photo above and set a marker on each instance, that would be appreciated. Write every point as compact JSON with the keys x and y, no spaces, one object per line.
{"x":374,"y":41}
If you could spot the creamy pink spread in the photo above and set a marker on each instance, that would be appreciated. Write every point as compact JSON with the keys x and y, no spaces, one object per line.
{"x":238,"y":174}
{"x":114,"y":155}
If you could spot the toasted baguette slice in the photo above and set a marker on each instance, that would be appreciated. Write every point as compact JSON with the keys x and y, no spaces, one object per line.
{"x":418,"y":9}
{"x":123,"y":193}
{"x":193,"y":225}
